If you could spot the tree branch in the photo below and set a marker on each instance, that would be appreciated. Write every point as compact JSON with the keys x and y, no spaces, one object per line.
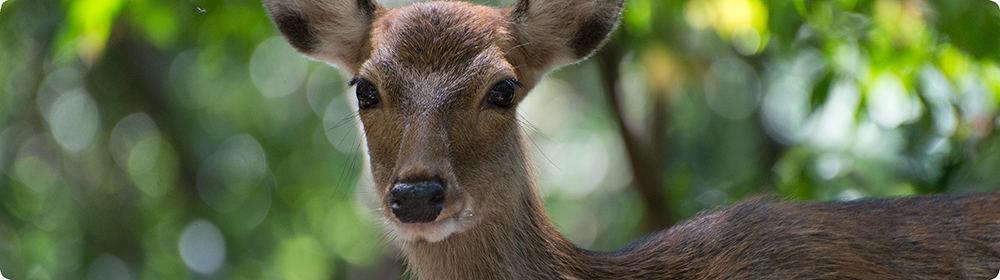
{"x":647,"y":165}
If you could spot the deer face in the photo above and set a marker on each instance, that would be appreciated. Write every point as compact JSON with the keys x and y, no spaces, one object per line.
{"x":437,"y":99}
{"x":437,"y":86}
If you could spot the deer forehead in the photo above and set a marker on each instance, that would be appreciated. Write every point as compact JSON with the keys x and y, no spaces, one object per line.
{"x":439,"y":50}
{"x":438,"y":36}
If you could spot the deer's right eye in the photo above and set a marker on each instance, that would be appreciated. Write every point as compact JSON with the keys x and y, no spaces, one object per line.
{"x":366,"y":91}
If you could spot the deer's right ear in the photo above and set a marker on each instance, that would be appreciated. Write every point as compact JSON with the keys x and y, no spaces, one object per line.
{"x":333,"y":31}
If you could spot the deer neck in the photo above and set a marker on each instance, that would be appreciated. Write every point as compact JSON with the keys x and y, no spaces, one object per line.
{"x":518,"y":243}
{"x":525,"y":247}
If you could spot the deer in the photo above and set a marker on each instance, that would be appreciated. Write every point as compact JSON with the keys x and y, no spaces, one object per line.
{"x":437,"y":86}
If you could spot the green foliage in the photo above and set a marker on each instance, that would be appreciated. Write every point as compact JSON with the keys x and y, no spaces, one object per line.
{"x":158,"y":140}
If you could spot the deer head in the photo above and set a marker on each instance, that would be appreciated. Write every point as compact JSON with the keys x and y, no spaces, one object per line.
{"x":437,"y":86}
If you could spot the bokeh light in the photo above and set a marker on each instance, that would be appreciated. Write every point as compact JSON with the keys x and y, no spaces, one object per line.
{"x":277,"y":70}
{"x":135,"y":134}
{"x":233,"y":174}
{"x":889,"y":104}
{"x":203,"y":247}
{"x":74,"y":120}
{"x":108,"y":267}
{"x":732,"y":89}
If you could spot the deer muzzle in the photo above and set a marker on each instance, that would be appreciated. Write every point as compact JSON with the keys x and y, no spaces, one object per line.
{"x":418,"y":202}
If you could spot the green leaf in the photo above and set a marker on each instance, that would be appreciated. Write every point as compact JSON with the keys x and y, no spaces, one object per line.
{"x":820,"y":92}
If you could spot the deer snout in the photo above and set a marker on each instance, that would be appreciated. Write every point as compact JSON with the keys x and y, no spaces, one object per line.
{"x":418,"y":202}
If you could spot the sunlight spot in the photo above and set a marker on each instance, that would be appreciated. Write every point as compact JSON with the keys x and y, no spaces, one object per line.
{"x":829,"y":166}
{"x":727,"y":16}
{"x":325,"y":84}
{"x":888,"y":102}
{"x":37,"y":166}
{"x":636,"y":100}
{"x":136,"y":146}
{"x":582,"y":161}
{"x":698,"y":14}
{"x":342,"y":125}
{"x":732,"y":88}
{"x":231,"y":175}
{"x":565,"y":144}
{"x":74,"y":120}
{"x":853,"y":61}
{"x":276,"y":69}
{"x":876,"y":142}
{"x":126,"y":137}
{"x":56,"y":85}
{"x":188,"y":80}
{"x":202,"y":246}
{"x":785,"y":111}
{"x":746,"y":40}
{"x":849,"y":194}
{"x":108,"y":267}
{"x":835,"y":120}
{"x":937,"y":95}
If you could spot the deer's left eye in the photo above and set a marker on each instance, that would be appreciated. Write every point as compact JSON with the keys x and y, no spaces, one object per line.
{"x":367,"y":93}
{"x":502,"y":94}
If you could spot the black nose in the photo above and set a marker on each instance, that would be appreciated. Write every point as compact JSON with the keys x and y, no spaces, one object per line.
{"x":417,"y":203}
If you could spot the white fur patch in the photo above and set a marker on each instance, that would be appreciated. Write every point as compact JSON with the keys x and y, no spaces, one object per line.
{"x":437,"y":230}
{"x":430,"y":232}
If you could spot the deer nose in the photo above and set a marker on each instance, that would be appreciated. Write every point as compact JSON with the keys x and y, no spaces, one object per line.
{"x":417,"y":203}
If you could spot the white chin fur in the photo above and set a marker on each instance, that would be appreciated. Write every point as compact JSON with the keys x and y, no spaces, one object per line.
{"x":430,"y":232}
{"x":437,"y":230}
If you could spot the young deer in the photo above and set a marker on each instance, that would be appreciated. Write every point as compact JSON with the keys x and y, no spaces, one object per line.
{"x":437,"y":86}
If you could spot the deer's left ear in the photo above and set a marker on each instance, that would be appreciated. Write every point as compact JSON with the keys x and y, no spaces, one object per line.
{"x":563,"y":31}
{"x":334,"y":31}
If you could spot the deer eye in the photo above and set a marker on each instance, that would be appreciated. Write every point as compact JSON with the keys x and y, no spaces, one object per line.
{"x":366,"y":91}
{"x":502,"y":94}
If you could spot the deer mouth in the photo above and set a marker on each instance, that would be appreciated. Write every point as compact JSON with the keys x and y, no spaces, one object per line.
{"x":455,"y":219}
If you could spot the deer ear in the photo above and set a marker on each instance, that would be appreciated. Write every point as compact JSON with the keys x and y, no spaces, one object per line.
{"x":333,"y":31}
{"x":560,"y":32}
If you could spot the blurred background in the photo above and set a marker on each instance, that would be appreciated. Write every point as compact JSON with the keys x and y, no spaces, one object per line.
{"x":146,"y":139}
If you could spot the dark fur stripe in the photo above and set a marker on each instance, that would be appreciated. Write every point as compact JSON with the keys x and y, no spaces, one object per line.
{"x":368,"y":7}
{"x":296,"y":29}
{"x":520,"y":11}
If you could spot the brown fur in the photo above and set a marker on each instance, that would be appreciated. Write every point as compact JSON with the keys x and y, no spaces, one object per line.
{"x":434,"y":65}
